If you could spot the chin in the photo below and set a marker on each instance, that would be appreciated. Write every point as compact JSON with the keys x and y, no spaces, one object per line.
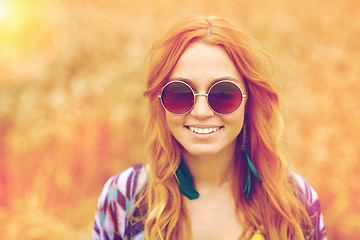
{"x":202,"y":152}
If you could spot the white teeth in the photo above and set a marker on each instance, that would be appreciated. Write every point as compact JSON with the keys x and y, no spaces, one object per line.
{"x":203,"y":130}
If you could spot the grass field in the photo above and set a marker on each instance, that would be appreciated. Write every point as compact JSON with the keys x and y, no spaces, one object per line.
{"x":72,"y":111}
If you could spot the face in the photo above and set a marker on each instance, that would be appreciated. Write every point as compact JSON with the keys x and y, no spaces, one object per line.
{"x":202,"y":132}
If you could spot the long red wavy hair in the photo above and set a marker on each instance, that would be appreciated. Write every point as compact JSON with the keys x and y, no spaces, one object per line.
{"x":274,"y":207}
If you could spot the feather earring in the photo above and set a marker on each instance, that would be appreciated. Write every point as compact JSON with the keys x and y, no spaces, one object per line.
{"x":250,"y":166}
{"x":185,"y":181}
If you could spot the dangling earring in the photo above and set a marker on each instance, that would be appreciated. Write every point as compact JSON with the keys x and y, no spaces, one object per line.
{"x":185,"y":181}
{"x":244,"y":138}
{"x":250,"y":166}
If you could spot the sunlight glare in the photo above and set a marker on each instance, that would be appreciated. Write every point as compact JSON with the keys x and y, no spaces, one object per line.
{"x":4,"y":11}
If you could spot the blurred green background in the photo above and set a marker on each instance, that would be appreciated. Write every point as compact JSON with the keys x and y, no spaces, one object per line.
{"x":72,"y":111}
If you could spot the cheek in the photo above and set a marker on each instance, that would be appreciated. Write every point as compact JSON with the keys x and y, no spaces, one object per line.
{"x":238,"y":124}
{"x":236,"y":120}
{"x":173,"y":122}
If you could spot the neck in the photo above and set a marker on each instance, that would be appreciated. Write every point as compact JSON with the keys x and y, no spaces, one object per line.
{"x":210,"y":171}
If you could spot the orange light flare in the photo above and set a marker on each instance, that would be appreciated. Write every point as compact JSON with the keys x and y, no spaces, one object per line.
{"x":5,"y":11}
{"x":24,"y":37}
{"x":18,"y":18}
{"x":11,"y":17}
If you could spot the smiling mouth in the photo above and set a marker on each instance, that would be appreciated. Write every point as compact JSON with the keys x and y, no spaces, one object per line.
{"x":203,"y":130}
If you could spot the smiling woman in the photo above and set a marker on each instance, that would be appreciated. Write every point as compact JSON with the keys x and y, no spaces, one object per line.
{"x":213,"y":169}
{"x":201,"y":64}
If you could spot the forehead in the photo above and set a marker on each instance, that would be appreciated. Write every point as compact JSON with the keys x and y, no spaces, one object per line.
{"x":202,"y":64}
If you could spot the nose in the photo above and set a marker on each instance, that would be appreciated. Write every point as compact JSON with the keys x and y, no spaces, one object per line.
{"x":201,"y":108}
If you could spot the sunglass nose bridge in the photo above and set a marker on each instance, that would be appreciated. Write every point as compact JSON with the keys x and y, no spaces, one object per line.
{"x":201,"y":94}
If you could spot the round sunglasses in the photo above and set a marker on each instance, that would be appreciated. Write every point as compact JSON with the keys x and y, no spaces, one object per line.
{"x":224,"y":97}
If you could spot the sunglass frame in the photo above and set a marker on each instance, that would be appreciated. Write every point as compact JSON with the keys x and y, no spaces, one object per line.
{"x":201,"y":94}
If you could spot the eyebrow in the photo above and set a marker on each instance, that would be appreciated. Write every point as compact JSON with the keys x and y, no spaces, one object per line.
{"x":189,"y":81}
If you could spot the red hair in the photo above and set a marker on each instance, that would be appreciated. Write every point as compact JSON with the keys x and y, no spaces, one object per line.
{"x":274,"y":207}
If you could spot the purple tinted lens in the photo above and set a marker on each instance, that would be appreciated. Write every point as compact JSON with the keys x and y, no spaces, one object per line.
{"x":177,"y":98}
{"x":225,"y":97}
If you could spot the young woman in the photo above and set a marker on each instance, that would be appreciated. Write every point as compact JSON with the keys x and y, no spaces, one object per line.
{"x":213,"y":169}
